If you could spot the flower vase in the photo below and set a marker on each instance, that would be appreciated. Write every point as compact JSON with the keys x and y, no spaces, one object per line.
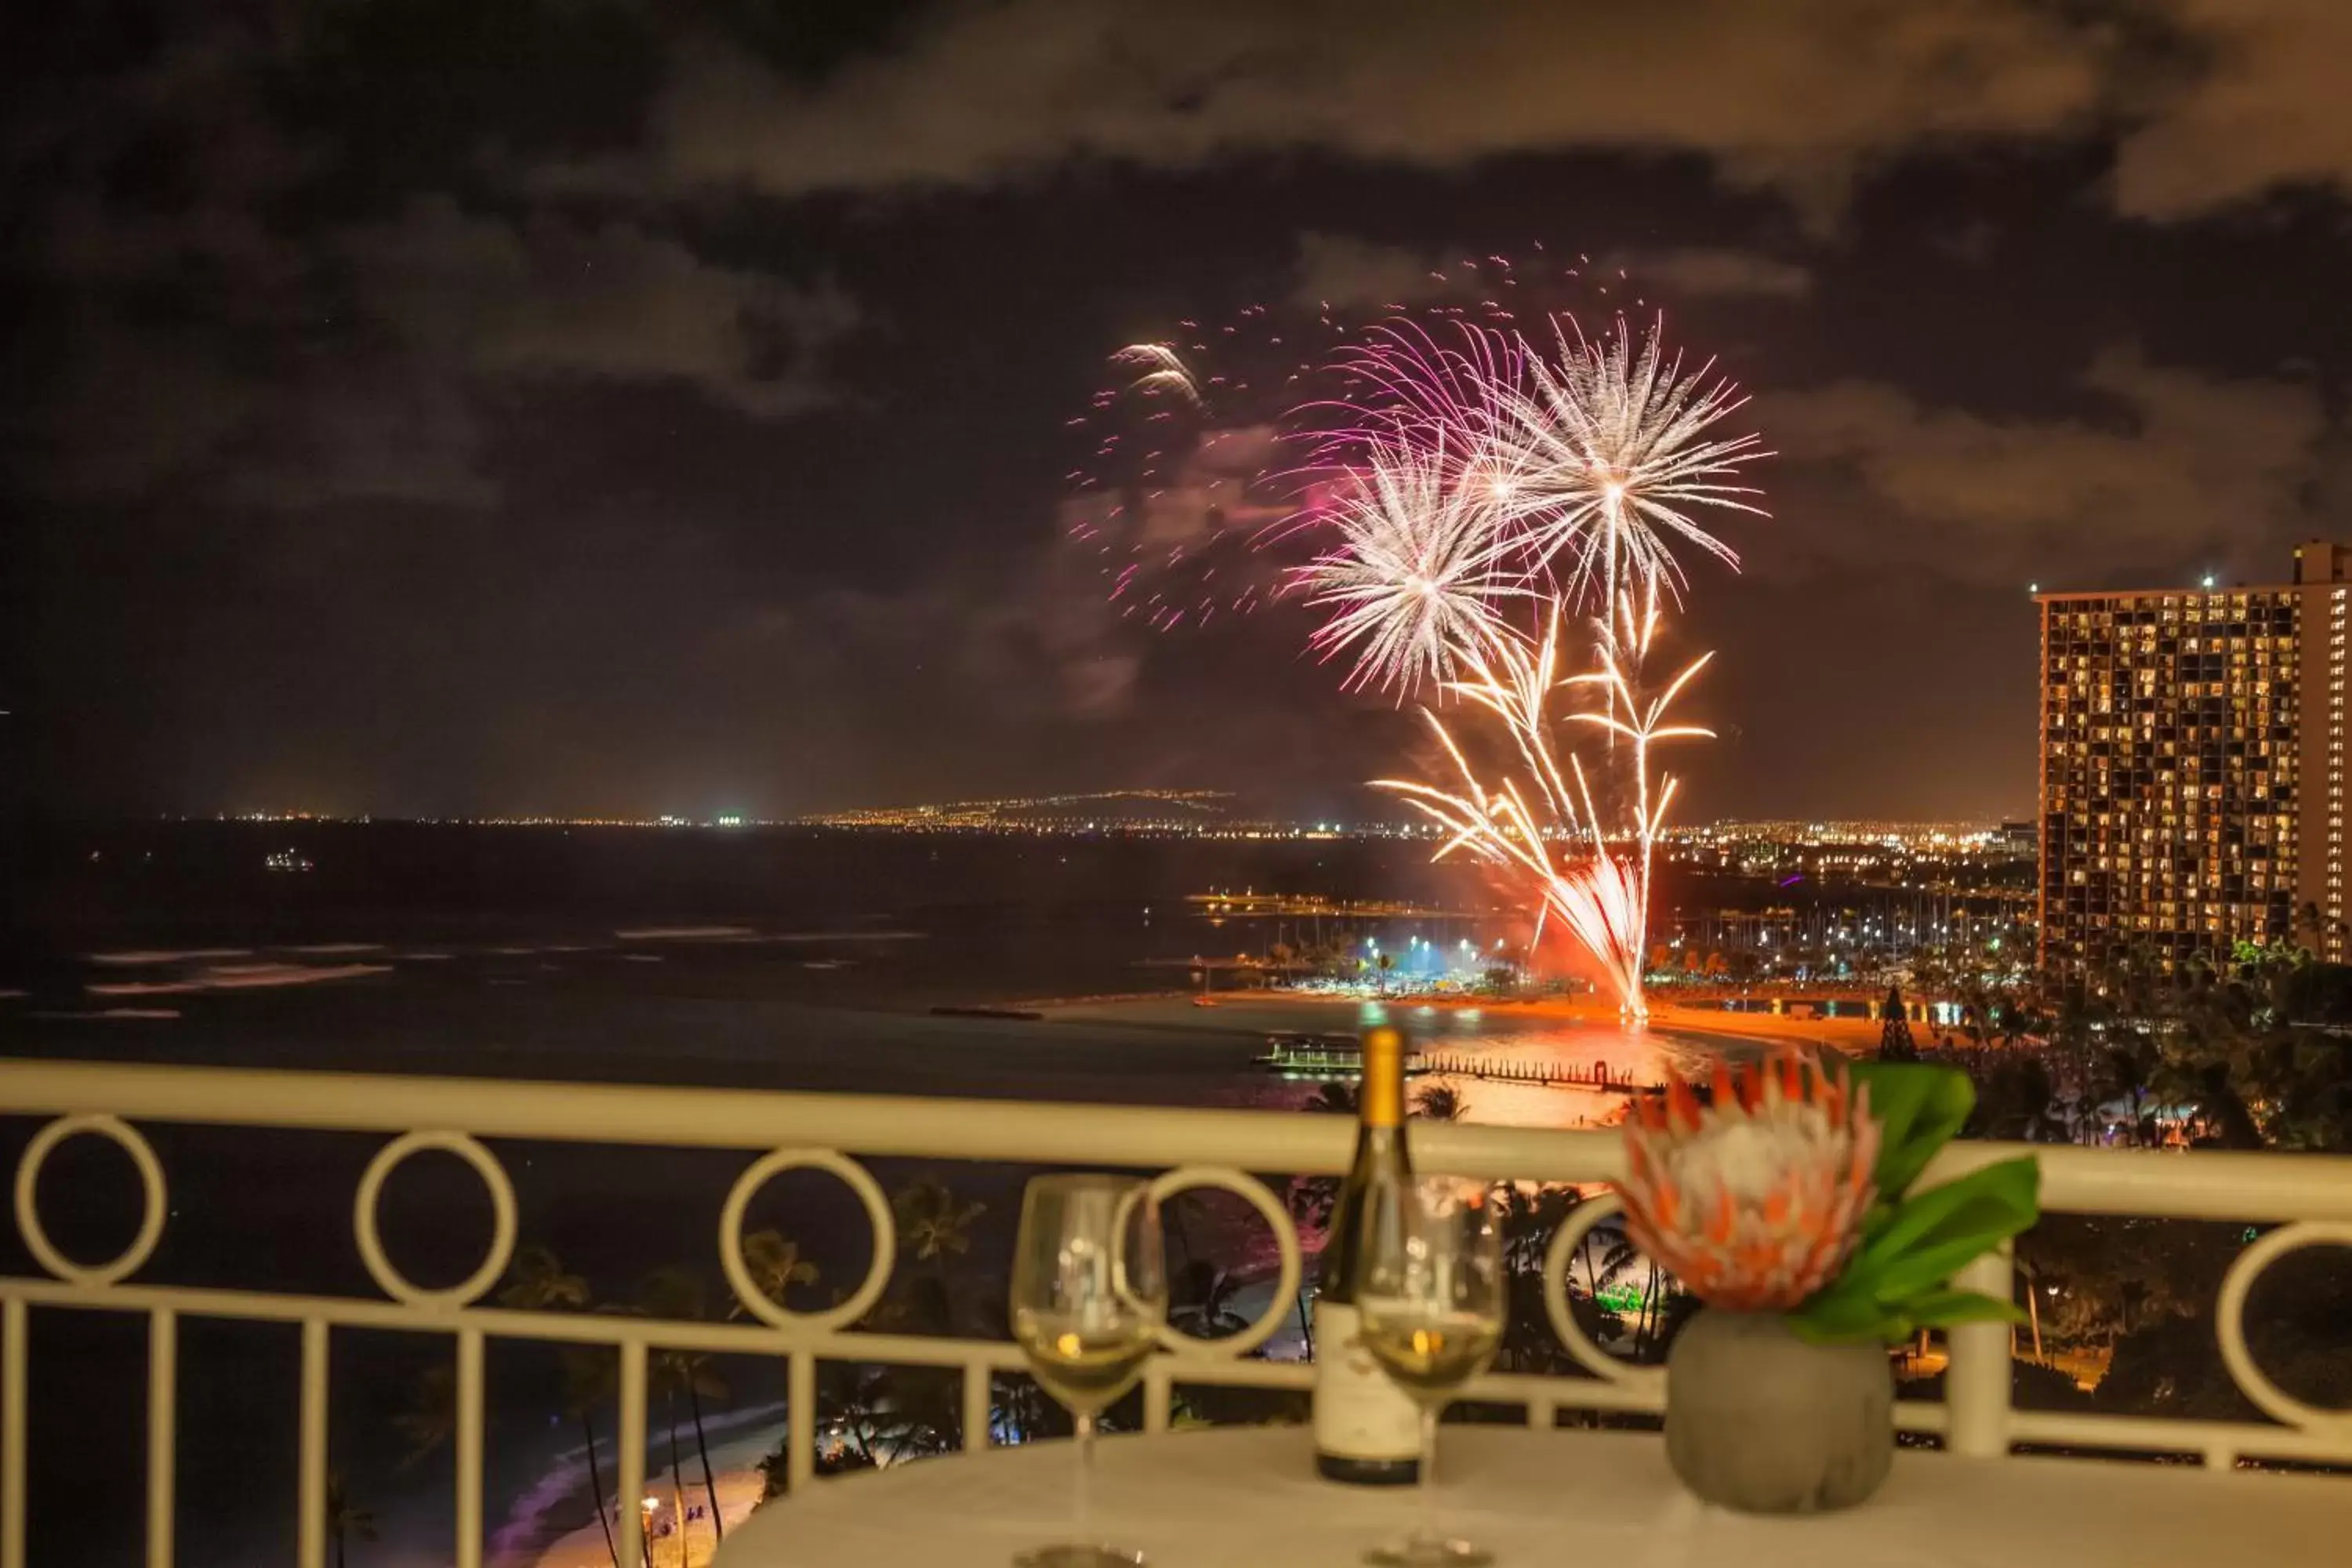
{"x":1764,"y":1421}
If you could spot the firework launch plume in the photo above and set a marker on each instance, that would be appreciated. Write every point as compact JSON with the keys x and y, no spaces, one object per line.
{"x":1588,"y":868}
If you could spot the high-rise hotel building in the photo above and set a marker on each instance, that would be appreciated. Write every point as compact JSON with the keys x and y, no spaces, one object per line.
{"x":2192,"y":768}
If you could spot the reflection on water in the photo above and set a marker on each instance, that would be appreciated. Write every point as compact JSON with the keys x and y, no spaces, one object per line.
{"x":1506,"y":1040}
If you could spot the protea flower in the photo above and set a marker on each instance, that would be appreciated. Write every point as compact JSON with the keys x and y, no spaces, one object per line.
{"x":1755,"y":1202}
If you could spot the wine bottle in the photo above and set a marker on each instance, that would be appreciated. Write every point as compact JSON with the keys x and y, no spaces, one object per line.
{"x":1367,"y":1429}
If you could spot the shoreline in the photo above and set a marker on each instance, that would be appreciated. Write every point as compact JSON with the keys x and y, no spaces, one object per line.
{"x":1675,"y":1018}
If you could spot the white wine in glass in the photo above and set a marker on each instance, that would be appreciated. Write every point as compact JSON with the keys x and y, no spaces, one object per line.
{"x":1089,"y":1298}
{"x":1432,"y":1298}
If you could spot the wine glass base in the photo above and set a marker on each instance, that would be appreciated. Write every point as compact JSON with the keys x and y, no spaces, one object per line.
{"x":1078,"y":1556}
{"x":1430,"y":1552}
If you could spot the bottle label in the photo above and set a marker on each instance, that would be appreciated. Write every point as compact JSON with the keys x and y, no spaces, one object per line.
{"x":1359,"y":1413}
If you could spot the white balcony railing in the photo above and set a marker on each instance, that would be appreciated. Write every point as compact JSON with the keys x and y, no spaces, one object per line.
{"x":2309,"y":1197}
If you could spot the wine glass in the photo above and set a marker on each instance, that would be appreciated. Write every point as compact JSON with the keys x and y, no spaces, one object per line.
{"x":1089,"y":1301}
{"x":1430,"y":1294}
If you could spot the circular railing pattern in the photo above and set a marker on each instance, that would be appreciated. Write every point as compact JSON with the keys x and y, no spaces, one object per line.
{"x":1286,"y":1239}
{"x":1557,"y":1259}
{"x":853,"y":1176}
{"x":392,"y":1281}
{"x":2230,"y":1328}
{"x":28,"y":1207}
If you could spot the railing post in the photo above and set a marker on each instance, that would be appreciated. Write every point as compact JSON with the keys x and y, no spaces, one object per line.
{"x":629,"y":1518}
{"x":469,"y":1448}
{"x":162,"y":1430}
{"x":311,"y":1502}
{"x":13,"y":1330}
{"x":1975,"y":1383}
{"x":978,"y":1389}
{"x":800,"y":1420}
{"x":1159,"y":1377}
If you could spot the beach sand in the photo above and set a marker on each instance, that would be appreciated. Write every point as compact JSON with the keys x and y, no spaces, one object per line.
{"x":739,"y":1494}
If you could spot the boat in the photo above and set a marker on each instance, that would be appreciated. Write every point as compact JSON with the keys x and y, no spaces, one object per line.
{"x":1322,"y":1058}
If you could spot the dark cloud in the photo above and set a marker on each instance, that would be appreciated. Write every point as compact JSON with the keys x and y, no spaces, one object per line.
{"x":1697,"y":273}
{"x":222,"y":344}
{"x":2220,"y":100}
{"x":366,"y":363}
{"x":2164,"y":465}
{"x":1795,"y":96}
{"x":2264,"y":108}
{"x":1349,"y":270}
{"x":635,"y":409}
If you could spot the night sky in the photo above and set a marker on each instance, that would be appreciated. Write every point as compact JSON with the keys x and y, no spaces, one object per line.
{"x":547,"y":405}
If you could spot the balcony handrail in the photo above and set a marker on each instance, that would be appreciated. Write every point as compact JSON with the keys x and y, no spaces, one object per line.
{"x":2308,"y":1196}
{"x":2205,"y":1184}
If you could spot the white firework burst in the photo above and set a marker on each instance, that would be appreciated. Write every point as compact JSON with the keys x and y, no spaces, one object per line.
{"x":1417,"y":577}
{"x":1607,"y":454}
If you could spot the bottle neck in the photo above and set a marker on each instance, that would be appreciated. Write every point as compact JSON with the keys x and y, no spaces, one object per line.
{"x":1381,"y":1102}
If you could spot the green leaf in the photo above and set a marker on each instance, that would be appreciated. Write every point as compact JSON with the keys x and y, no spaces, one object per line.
{"x":1933,"y":1233}
{"x":1950,"y":1308}
{"x":1899,"y":1281}
{"x":1835,"y":1317}
{"x":1854,"y":1319}
{"x":1918,"y":1107}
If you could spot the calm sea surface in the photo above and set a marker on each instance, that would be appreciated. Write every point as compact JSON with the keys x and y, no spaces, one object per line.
{"x":775,"y":961}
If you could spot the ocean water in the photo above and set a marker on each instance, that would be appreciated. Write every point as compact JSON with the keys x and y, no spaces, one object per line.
{"x":781,"y":962}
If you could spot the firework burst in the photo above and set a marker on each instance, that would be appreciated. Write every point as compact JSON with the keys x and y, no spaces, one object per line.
{"x":1414,"y":584}
{"x":1453,"y":492}
{"x":1603,"y":453}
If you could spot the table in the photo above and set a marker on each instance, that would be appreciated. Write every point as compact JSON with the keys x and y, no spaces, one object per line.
{"x":1248,"y":1498}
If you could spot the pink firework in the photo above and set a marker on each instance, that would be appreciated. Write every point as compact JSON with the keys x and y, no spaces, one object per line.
{"x":1449,"y":489}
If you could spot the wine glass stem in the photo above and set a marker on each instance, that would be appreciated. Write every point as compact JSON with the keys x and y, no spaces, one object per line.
{"x":1086,"y":1479}
{"x":1429,"y":1472}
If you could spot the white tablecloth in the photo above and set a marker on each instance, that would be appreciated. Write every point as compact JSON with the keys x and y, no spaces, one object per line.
{"x":1249,"y":1497}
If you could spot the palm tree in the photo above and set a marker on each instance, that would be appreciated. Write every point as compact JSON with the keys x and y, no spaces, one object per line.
{"x":1980,"y":1010}
{"x":674,"y":1293}
{"x":931,"y":1223}
{"x":934,"y":1227}
{"x":1385,"y":963}
{"x":1528,"y":1217}
{"x":431,"y":1417}
{"x":1338,"y":1098}
{"x":347,"y":1520}
{"x":775,"y":1265}
{"x":589,"y":1378}
{"x":540,"y":1282}
{"x":1440,"y":1103}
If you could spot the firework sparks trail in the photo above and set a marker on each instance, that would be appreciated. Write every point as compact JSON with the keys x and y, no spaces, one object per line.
{"x":1542,"y":822}
{"x":1415,"y":582}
